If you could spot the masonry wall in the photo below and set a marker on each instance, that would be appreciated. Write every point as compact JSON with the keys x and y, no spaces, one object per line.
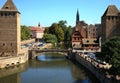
{"x":9,"y":33}
{"x":14,"y":60}
{"x":110,"y":24}
{"x":96,"y":71}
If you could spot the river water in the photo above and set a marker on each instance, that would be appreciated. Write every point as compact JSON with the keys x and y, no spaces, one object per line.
{"x":47,"y":68}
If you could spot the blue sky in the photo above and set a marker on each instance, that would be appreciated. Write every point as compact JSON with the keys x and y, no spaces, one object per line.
{"x":49,"y":11}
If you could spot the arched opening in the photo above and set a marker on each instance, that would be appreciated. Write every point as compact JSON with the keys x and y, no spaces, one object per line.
{"x":51,"y":57}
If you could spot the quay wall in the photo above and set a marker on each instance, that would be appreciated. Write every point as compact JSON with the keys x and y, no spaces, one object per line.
{"x":95,"y":68}
{"x":13,"y":70}
{"x":11,"y":61}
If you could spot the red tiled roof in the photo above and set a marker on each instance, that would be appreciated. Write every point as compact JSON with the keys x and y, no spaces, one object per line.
{"x":37,"y":29}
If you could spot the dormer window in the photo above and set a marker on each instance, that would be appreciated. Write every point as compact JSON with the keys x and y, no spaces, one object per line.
{"x":6,"y":8}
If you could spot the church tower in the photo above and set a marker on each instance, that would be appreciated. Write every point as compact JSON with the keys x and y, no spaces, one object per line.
{"x":10,"y":35}
{"x":77,"y":18}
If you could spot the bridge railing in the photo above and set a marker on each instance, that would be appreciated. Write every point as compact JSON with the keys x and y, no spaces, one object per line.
{"x":51,"y":50}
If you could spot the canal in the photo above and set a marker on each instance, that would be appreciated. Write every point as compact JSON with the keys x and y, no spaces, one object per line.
{"x":47,"y":68}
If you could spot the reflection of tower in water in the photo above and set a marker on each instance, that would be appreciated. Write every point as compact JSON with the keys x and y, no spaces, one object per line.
{"x":12,"y":75}
{"x":15,"y":78}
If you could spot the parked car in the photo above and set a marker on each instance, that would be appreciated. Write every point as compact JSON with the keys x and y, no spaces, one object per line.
{"x":40,"y":45}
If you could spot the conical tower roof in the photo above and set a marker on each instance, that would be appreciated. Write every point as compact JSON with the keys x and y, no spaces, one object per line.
{"x":9,"y":6}
{"x":111,"y":11}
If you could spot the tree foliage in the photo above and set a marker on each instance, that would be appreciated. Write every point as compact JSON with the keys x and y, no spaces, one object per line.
{"x":57,"y":30}
{"x":111,"y":53}
{"x":50,"y":38}
{"x":25,"y":33}
{"x":46,"y":31}
{"x":61,"y":31}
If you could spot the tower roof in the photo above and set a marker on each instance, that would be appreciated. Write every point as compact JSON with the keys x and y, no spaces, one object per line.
{"x":9,"y":6}
{"x":77,"y":17}
{"x":111,"y":11}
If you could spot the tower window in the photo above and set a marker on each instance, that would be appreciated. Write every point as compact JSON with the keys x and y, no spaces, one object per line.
{"x":12,"y":51}
{"x":5,"y":14}
{"x":13,"y":14}
{"x":11,"y":44}
{"x":9,"y":14}
{"x":1,"y":14}
{"x":6,"y":7}
{"x":112,"y":17}
{"x":3,"y":44}
{"x":108,"y":17}
{"x":116,"y":18}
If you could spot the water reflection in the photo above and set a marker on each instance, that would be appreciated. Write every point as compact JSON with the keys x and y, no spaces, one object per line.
{"x":51,"y":57}
{"x":48,"y":68}
{"x":12,"y":74}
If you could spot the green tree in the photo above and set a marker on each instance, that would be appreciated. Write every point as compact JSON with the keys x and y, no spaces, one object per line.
{"x":67,"y":37}
{"x":25,"y":33}
{"x":50,"y":38}
{"x":57,"y":30}
{"x":111,"y":53}
{"x":46,"y":31}
{"x":63,"y":25}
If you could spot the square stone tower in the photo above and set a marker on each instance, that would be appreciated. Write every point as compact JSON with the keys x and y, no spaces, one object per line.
{"x":110,"y":22}
{"x":10,"y":35}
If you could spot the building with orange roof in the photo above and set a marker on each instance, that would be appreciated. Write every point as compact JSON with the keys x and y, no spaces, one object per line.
{"x":84,"y":37}
{"x":37,"y":32}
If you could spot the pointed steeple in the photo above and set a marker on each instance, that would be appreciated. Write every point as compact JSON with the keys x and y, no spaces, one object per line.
{"x":9,"y":6}
{"x":77,"y":17}
{"x":39,"y":24}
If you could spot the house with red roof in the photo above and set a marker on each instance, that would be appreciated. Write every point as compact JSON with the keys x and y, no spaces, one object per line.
{"x":37,"y":32}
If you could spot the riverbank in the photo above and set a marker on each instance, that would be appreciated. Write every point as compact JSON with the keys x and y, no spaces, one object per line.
{"x":11,"y":61}
{"x":97,"y":69}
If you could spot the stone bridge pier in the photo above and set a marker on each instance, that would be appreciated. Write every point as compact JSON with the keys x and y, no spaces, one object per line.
{"x":32,"y":54}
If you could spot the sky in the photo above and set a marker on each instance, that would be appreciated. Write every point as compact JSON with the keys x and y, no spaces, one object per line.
{"x":50,"y":11}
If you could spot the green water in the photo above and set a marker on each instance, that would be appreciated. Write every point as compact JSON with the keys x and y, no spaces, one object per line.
{"x":47,"y":68}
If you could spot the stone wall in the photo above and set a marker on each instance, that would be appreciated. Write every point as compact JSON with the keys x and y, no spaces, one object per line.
{"x":95,"y":68}
{"x":22,"y":57}
{"x":11,"y":71}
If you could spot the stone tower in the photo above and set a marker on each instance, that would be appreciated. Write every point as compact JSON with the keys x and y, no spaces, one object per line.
{"x":10,"y":37}
{"x":110,"y":22}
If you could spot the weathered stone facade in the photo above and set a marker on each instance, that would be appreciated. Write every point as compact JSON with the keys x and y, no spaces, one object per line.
{"x":10,"y":36}
{"x":110,"y":22}
{"x":10,"y":42}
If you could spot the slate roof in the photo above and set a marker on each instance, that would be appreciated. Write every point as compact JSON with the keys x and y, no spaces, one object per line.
{"x":9,"y":6}
{"x":111,"y":11}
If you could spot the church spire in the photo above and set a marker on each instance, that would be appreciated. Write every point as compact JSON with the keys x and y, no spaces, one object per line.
{"x":39,"y":24}
{"x":77,"y":17}
{"x":9,"y":6}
